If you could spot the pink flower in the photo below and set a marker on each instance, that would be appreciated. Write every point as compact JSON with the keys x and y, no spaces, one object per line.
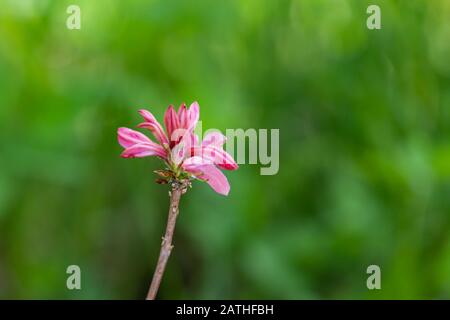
{"x":184,"y":155}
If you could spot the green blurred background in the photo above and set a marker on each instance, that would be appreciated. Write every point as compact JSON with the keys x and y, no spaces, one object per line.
{"x":364,"y":119}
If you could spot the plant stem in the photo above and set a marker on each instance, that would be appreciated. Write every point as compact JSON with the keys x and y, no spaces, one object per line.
{"x":178,"y":188}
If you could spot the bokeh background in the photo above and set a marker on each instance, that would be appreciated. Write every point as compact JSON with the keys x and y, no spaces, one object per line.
{"x":364,"y":119}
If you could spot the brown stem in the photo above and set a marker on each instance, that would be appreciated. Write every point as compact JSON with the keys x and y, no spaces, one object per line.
{"x":178,"y":188}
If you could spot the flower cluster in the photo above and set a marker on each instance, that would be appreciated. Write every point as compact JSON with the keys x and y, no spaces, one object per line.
{"x":179,"y":147}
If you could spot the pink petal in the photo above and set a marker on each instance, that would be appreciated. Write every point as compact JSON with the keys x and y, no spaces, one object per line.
{"x":208,"y":172}
{"x":217,"y":156}
{"x":195,"y":161}
{"x":147,"y":115}
{"x":182,"y":149}
{"x":128,"y":137}
{"x":157,"y":131}
{"x":183,"y":116}
{"x":195,"y":140}
{"x":193,"y":115}
{"x":179,"y":153}
{"x":171,"y":121}
{"x":144,"y":150}
{"x":154,"y":126}
{"x":214,"y":138}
